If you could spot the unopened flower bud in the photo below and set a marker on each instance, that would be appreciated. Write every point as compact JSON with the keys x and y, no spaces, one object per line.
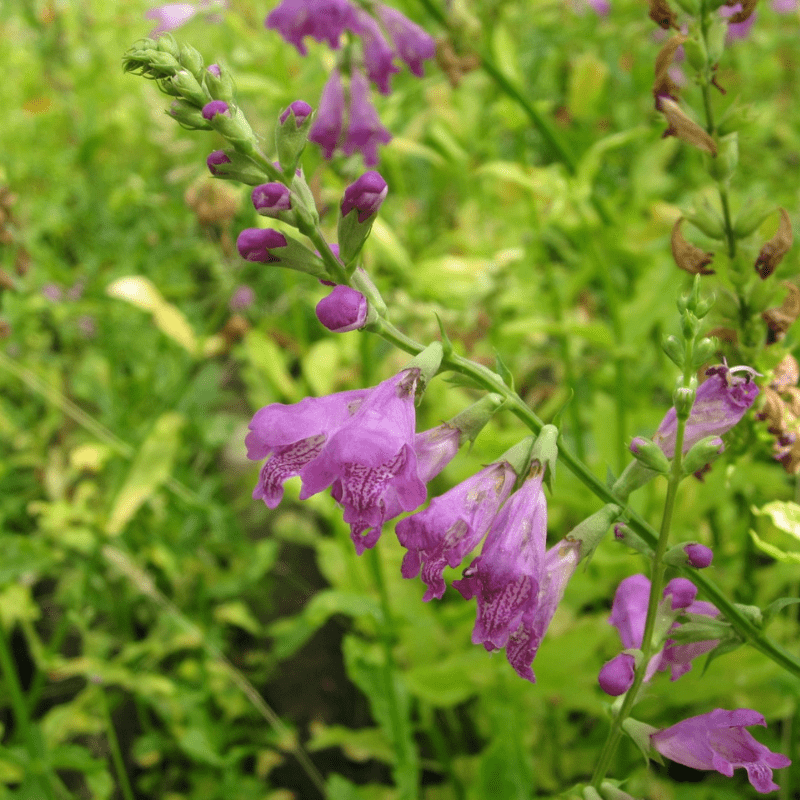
{"x":344,"y":309}
{"x":269,"y":199}
{"x":299,"y":110}
{"x":702,"y":453}
{"x":750,"y":217}
{"x":674,"y":348}
{"x":365,"y":195}
{"x":257,"y":244}
{"x":191,"y":59}
{"x":724,"y":165}
{"x":703,"y":350}
{"x":210,"y":110}
{"x":684,"y":127}
{"x":707,"y":219}
{"x":187,"y":87}
{"x":219,"y":82}
{"x":649,"y":455}
{"x":776,"y":248}
{"x":622,"y":533}
{"x":683,"y":400}
{"x":166,"y":44}
{"x":696,"y":54}
{"x":617,"y":675}
{"x":688,"y":256}
{"x":591,"y":531}
{"x":215,"y":160}
{"x":187,"y":115}
{"x":610,"y":792}
{"x":234,"y":166}
{"x":691,"y":554}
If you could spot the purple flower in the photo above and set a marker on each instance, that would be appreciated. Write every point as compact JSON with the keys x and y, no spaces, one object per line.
{"x":784,"y":6}
{"x":718,"y":740}
{"x":378,"y":55}
{"x":216,"y":159}
{"x":327,"y":128}
{"x":411,"y":43}
{"x":517,"y":584}
{"x":271,"y":198}
{"x":453,"y":525}
{"x":617,"y":675}
{"x":364,"y":131}
{"x":721,"y":402}
{"x":323,"y":20}
{"x":210,"y":110}
{"x":737,"y":30}
{"x":344,"y":309}
{"x":170,"y":16}
{"x":359,"y":443}
{"x":366,"y":194}
{"x":257,"y":244}
{"x":299,"y":109}
{"x":629,"y":612}
{"x":242,"y":299}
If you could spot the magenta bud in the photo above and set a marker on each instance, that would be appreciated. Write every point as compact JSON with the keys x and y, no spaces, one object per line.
{"x":216,"y":159}
{"x":366,"y":195}
{"x":270,"y":198}
{"x":210,"y":110}
{"x":214,"y":70}
{"x":256,"y":244}
{"x":699,"y":555}
{"x":299,"y":109}
{"x":344,"y":309}
{"x":617,"y":675}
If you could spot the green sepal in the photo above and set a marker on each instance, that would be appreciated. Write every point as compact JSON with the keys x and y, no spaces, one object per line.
{"x":701,"y":453}
{"x":675,"y":350}
{"x":650,"y":455}
{"x":447,"y":345}
{"x":352,"y":234}
{"x":189,"y":88}
{"x":290,"y":141}
{"x":241,"y":168}
{"x":750,"y":218}
{"x":703,"y":351}
{"x":188,"y":116}
{"x":776,"y":606}
{"x":472,"y":420}
{"x":707,"y":220}
{"x":503,"y":371}
{"x":222,"y":87}
{"x":640,"y":733}
{"x":591,"y":531}
{"x":428,"y":362}
{"x":545,"y":451}
{"x":191,"y":59}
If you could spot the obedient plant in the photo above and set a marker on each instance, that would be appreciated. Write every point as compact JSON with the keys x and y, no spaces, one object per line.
{"x":363,"y":445}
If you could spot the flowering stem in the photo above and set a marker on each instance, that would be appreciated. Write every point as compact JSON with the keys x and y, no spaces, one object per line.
{"x":491,"y":381}
{"x":116,"y":752}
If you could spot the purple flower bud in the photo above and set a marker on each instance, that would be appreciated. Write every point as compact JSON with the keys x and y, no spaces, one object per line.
{"x":327,"y":127}
{"x":256,"y":244}
{"x":364,"y":132}
{"x":210,"y":110}
{"x":214,"y":70}
{"x":718,"y":741}
{"x":344,"y":309}
{"x":411,"y":43}
{"x":617,"y":675}
{"x":299,"y":109}
{"x":242,"y":298}
{"x":366,"y":194}
{"x":699,"y":555}
{"x":271,"y":198}
{"x":215,"y":159}
{"x":683,"y":592}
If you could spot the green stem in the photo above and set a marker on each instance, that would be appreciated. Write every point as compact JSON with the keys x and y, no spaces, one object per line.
{"x":405,"y":765}
{"x":116,"y":752}
{"x":22,"y":718}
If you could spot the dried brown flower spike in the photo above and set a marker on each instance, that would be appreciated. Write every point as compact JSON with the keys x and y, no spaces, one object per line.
{"x":662,"y":14}
{"x":748,"y":7}
{"x":780,"y":318}
{"x":776,"y":248}
{"x":688,"y":256}
{"x":663,"y":84}
{"x":685,"y":128}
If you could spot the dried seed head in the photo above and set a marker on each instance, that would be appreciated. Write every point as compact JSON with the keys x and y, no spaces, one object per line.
{"x":663,"y":84}
{"x":776,"y":248}
{"x":684,"y":127}
{"x":662,"y":14}
{"x":687,"y":256}
{"x":780,"y":318}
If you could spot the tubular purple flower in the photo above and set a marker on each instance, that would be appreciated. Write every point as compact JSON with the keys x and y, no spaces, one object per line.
{"x":344,"y":309}
{"x":366,"y":194}
{"x":294,"y":435}
{"x":721,"y":402}
{"x":617,"y":675}
{"x":170,"y":16}
{"x":271,"y":198}
{"x":517,"y":584}
{"x":453,"y":525}
{"x":257,"y":244}
{"x":323,"y":20}
{"x":210,"y":110}
{"x":370,"y":462}
{"x":718,"y":741}
{"x":364,"y":131}
{"x":299,"y":109}
{"x":411,"y":43}
{"x":327,"y":128}
{"x":378,"y":55}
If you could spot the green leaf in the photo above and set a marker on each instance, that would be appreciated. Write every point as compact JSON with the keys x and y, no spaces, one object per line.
{"x":358,"y":745}
{"x":151,"y":467}
{"x":785,"y":557}
{"x":776,"y":606}
{"x":587,"y":79}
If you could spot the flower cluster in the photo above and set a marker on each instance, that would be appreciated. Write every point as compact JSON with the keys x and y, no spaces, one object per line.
{"x":347,"y":120}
